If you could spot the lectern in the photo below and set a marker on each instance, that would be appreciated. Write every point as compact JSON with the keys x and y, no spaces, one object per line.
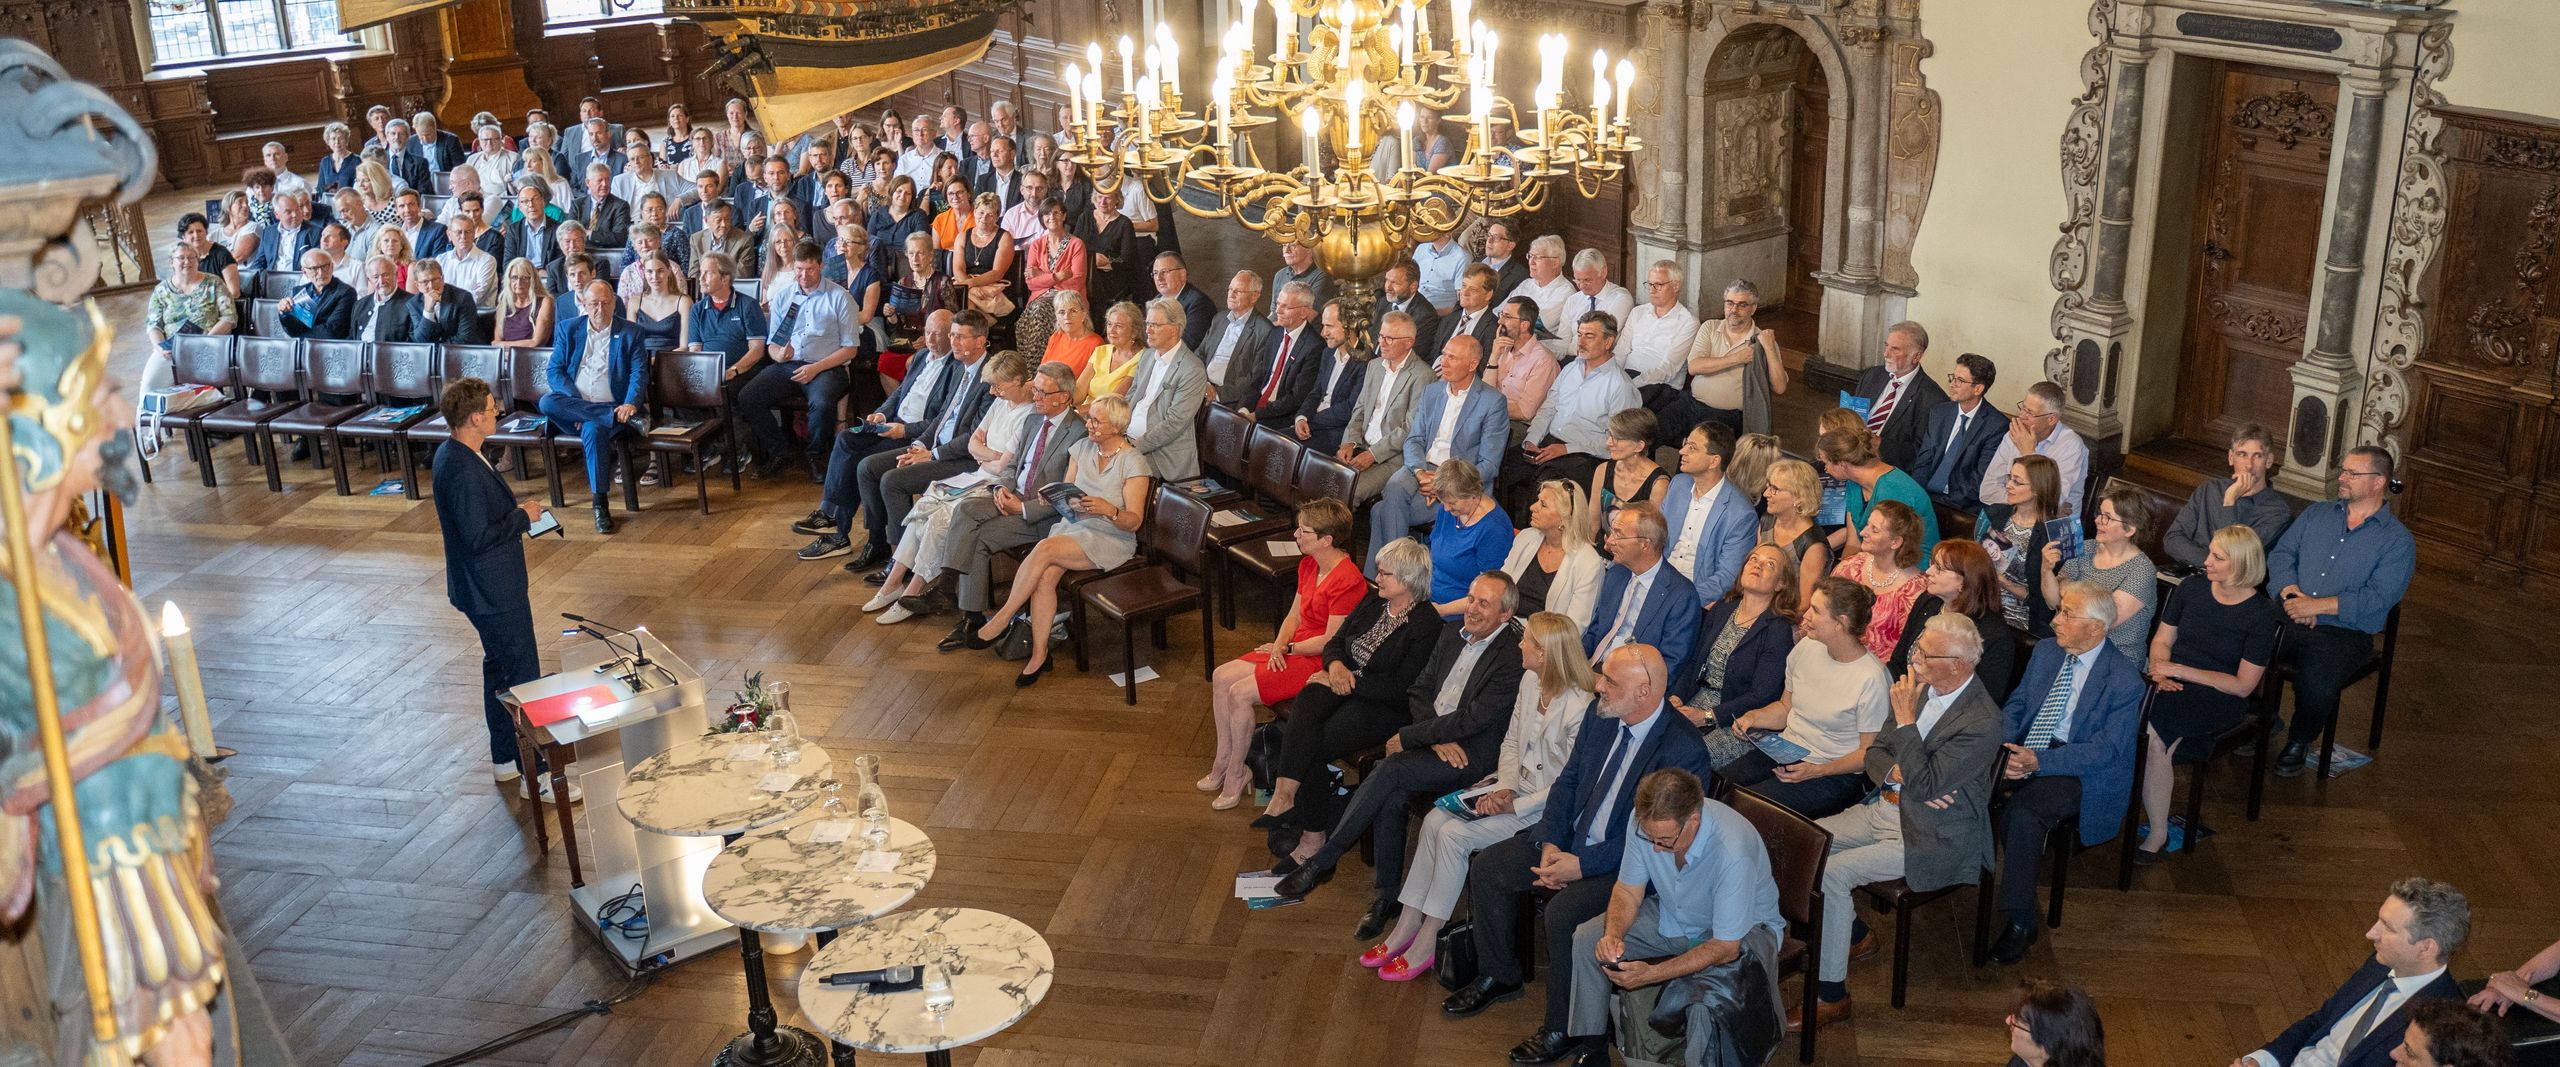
{"x":645,"y":905}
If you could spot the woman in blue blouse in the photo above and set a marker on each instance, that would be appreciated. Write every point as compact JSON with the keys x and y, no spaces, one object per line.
{"x":1470,"y":536}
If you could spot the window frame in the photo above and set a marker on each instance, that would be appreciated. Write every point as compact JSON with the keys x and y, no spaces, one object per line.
{"x":552,"y":24}
{"x":212,"y":19}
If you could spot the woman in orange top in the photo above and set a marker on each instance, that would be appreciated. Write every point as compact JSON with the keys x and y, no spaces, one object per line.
{"x":1075,"y":340}
{"x":948,"y":226}
{"x":1330,"y":584}
{"x":1055,"y":259}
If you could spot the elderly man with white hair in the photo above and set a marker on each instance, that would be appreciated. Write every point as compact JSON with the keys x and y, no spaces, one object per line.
{"x":1654,"y":337}
{"x":491,"y":158}
{"x":1549,"y":288}
{"x":1593,"y":291}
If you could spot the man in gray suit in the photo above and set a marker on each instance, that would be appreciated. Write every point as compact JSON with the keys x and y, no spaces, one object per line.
{"x":1165,"y":396}
{"x":1460,"y":417}
{"x":1238,"y":343}
{"x":1013,"y":514}
{"x":1928,"y":822}
{"x":1373,"y":442}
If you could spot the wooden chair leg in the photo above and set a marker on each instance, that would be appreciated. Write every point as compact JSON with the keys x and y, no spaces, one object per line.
{"x":1129,"y":661}
{"x":701,"y":480}
{"x":630,"y":464}
{"x":1901,"y":956}
{"x":2266,"y":740}
{"x":1982,"y":917}
{"x":267,"y":455}
{"x":2328,"y":748}
{"x":2195,"y":804}
{"x":204,"y":456}
{"x":338,"y":462}
{"x":2066,"y":841}
{"x":551,"y":473}
{"x":1208,"y":643}
{"x":1076,"y":631}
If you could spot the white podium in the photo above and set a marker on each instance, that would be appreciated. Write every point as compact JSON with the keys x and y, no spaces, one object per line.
{"x":645,"y":905}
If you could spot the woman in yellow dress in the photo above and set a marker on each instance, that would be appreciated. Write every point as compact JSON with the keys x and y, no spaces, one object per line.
{"x":1114,"y":364}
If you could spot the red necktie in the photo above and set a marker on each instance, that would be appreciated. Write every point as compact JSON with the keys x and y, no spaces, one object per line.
{"x":1884,"y":408}
{"x":1279,"y":369}
{"x":1031,"y":464}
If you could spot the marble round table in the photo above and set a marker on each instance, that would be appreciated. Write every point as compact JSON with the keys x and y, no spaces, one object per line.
{"x":694,"y":789}
{"x":1006,"y":969}
{"x":781,"y":882}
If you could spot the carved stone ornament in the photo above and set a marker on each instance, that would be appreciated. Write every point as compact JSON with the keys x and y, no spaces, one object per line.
{"x":2523,"y":152}
{"x":62,"y":145}
{"x":2501,"y":331}
{"x":1751,"y":150}
{"x":2263,"y":325}
{"x":2082,"y":136}
{"x":2417,"y":237}
{"x":2292,"y":116}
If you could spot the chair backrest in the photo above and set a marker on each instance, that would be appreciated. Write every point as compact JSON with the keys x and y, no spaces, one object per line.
{"x":747,"y":287}
{"x":1320,"y":475}
{"x":202,"y":359}
{"x":270,"y":363}
{"x":443,"y":182}
{"x":485,"y":362}
{"x":1223,"y":439}
{"x":403,"y":371}
{"x":687,"y":379}
{"x":1271,"y":466}
{"x":614,"y":260}
{"x":531,"y":380}
{"x":335,"y":366}
{"x":2164,"y":509}
{"x":276,"y":284}
{"x":1180,"y":530}
{"x":1798,"y":850}
{"x":266,"y":318}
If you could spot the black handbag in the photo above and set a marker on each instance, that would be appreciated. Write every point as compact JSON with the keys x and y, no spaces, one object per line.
{"x":1261,"y":752}
{"x":1454,"y":957}
{"x":1015,"y":643}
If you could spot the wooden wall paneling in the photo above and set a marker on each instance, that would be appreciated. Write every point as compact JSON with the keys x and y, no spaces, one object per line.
{"x":181,"y":119}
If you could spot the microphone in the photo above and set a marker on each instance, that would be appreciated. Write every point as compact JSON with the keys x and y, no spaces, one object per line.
{"x":639,"y":646}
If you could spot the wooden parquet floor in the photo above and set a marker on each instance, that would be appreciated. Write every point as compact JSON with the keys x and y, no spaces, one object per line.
{"x":392,"y":902}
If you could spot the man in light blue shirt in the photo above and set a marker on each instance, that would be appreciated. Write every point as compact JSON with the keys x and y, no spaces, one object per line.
{"x":1569,"y":435}
{"x":2338,"y":571}
{"x":811,"y":341}
{"x":1695,"y":892}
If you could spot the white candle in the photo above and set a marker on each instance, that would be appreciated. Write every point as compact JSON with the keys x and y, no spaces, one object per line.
{"x":1353,"y":95}
{"x":1093,"y":104}
{"x":1308,"y":121}
{"x":184,"y":676}
{"x":1171,"y":79}
{"x":1222,"y":90}
{"x":1075,"y":97}
{"x":1093,"y":64}
{"x":1599,"y":88}
{"x":1128,"y":66}
{"x":1459,"y":37}
{"x":1279,"y":30}
{"x":1626,"y":85}
{"x":1404,"y":131}
{"x":1349,"y":11}
{"x":1146,"y":108}
{"x":1404,"y":51}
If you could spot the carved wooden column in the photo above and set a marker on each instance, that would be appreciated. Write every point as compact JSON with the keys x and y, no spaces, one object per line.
{"x":486,"y":40}
{"x":2325,"y":378}
{"x":2096,"y":330}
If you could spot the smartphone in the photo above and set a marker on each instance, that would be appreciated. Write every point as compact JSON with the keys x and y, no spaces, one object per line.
{"x":547,"y":524}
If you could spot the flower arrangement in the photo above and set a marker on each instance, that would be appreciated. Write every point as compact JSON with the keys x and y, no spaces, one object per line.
{"x":756,"y":703}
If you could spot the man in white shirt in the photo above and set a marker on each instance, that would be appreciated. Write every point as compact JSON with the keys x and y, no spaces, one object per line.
{"x":491,"y":158}
{"x":1373,"y":441}
{"x":2415,"y":935}
{"x":1654,"y":343}
{"x":1236,"y":341}
{"x":1570,"y":432}
{"x":1548,"y":287}
{"x":2036,"y":428}
{"x":468,"y":267}
{"x":642,"y":175}
{"x":1456,"y":417}
{"x":1593,"y":291}
{"x":279,"y":159}
{"x":465,"y":179}
{"x":597,"y":376}
{"x":812,"y":338}
{"x":916,"y":160}
{"x":1442,"y":263}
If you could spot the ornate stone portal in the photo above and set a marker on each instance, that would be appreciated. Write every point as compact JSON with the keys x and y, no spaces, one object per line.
{"x":2116,"y":311}
{"x":1720,"y":199}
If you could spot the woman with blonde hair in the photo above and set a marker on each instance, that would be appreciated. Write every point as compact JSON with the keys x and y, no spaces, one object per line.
{"x":1791,"y":498}
{"x":1015,"y":379}
{"x":663,"y":314}
{"x":373,"y":182}
{"x":2215,"y":641}
{"x":1753,"y":454}
{"x":1555,"y":689}
{"x":1099,"y":534}
{"x":781,"y":238}
{"x":1552,"y":561}
{"x":1115,"y":363}
{"x":524,"y":307}
{"x":1074,"y":341}
{"x":538,"y":164}
{"x":393,"y":243}
{"x":238,"y":227}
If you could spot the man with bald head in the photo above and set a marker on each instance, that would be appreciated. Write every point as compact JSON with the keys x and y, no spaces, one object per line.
{"x":1575,"y":849}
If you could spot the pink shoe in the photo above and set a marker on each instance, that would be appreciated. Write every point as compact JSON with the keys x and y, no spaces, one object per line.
{"x":1379,"y":954}
{"x":1401,"y":970}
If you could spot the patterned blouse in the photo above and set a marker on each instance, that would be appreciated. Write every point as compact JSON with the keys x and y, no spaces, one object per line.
{"x":206,"y":306}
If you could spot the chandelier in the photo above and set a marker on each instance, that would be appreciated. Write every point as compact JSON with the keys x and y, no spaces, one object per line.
{"x":1360,"y":74}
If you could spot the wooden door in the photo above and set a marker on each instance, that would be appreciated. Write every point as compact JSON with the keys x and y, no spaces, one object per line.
{"x":1811,"y":142}
{"x":2260,"y":194}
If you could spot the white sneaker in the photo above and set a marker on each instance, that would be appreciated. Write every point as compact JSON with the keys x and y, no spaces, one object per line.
{"x":505,"y":772}
{"x":526,"y":789}
{"x":887,"y":595}
{"x":896,"y":614}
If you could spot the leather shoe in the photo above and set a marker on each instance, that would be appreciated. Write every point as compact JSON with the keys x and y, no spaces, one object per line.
{"x":872,"y":555}
{"x":1825,"y":1013}
{"x":2295,"y":758}
{"x":1477,"y":996}
{"x":878,"y":577}
{"x":2014,"y":943}
{"x":936,"y":598}
{"x":1381,"y":912}
{"x":815,"y":523}
{"x":1304,"y":880}
{"x":1545,"y":1046}
{"x":604,"y":521}
{"x":1864,"y":948}
{"x":964,"y":634}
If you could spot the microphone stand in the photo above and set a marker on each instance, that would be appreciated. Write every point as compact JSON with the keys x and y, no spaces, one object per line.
{"x":632,"y":663}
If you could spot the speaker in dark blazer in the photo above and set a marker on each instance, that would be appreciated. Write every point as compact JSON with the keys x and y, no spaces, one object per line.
{"x":2373,"y":1047}
{"x":608,"y":220}
{"x":484,"y":578}
{"x":1899,"y":441}
{"x":1667,"y":619}
{"x":1952,"y":457}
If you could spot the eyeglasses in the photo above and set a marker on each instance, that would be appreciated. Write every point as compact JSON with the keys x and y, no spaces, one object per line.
{"x":2014,"y":1024}
{"x":1953,"y":380}
{"x":2359,"y":474}
{"x":2023,"y":413}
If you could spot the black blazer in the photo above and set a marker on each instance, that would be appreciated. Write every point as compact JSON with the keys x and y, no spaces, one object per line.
{"x":271,"y":241}
{"x":2375,"y":1049}
{"x":1900,"y":441}
{"x":483,"y":528}
{"x":1972,"y":454}
{"x":332,"y":311}
{"x":1509,"y":276}
{"x":608,"y":222}
{"x":432,"y":240}
{"x":1296,"y":379}
{"x":395,"y":317}
{"x":1756,"y":674}
{"x":518,"y":244}
{"x":1389,"y":676}
{"x":1197,"y":310}
{"x":442,"y":154}
{"x":1998,"y":668}
{"x":412,"y":170}
{"x":456,"y":321}
{"x":1426,"y":323}
{"x":1446,"y":330}
{"x":1324,"y":428}
{"x":1484,"y":703}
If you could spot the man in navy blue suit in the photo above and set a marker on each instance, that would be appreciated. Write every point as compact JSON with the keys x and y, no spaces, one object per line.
{"x":281,"y":243}
{"x":1334,"y":389}
{"x":400,"y":157}
{"x":1962,"y":434}
{"x":2070,"y":727}
{"x":322,"y":307}
{"x":484,"y":572}
{"x":1459,"y":417}
{"x":597,"y":373}
{"x":2419,"y":928}
{"x":1579,"y":841}
{"x":1643,"y":600}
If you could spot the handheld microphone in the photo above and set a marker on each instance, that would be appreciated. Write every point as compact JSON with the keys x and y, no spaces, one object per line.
{"x":883,"y":976}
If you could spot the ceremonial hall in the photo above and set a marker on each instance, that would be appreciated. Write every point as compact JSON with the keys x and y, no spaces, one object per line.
{"x":1028,"y":533}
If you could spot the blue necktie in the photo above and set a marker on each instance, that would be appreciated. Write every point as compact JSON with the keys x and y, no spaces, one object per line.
{"x":1597,"y":799}
{"x":1947,"y":458}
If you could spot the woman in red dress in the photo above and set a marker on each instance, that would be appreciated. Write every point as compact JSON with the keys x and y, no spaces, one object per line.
{"x":1330,"y":584}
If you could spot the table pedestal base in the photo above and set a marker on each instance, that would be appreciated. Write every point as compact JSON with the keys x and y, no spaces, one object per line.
{"x":793,"y":1047}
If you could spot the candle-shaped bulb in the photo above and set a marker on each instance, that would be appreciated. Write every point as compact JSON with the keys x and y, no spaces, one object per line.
{"x":172,"y":621}
{"x":1459,"y":34}
{"x":1128,"y":72}
{"x":1172,"y":80}
{"x":1075,"y":96}
{"x":1626,"y":86}
{"x":1353,"y":96}
{"x":1349,"y":12}
{"x":1404,"y":130}
{"x":1155,"y":63}
{"x":1093,"y":56}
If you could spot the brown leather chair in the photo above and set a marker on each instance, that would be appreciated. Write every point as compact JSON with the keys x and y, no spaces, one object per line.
{"x":1798,"y":848}
{"x":520,"y":396}
{"x":485,"y":362}
{"x":330,"y":370}
{"x":1224,"y":435}
{"x":1271,"y":484}
{"x":200,"y":359}
{"x":271,"y":385}
{"x":686,"y":379}
{"x":1158,"y":591}
{"x":1898,"y":897}
{"x":1319,"y":476}
{"x":404,"y":380}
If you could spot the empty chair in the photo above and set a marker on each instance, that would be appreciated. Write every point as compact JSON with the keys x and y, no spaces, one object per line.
{"x":333,"y":382}
{"x":489,"y":363}
{"x":200,"y":359}
{"x":521,"y":425}
{"x":1178,"y":529}
{"x":266,"y":316}
{"x":688,"y":381}
{"x":270,"y":370}
{"x":403,"y":393}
